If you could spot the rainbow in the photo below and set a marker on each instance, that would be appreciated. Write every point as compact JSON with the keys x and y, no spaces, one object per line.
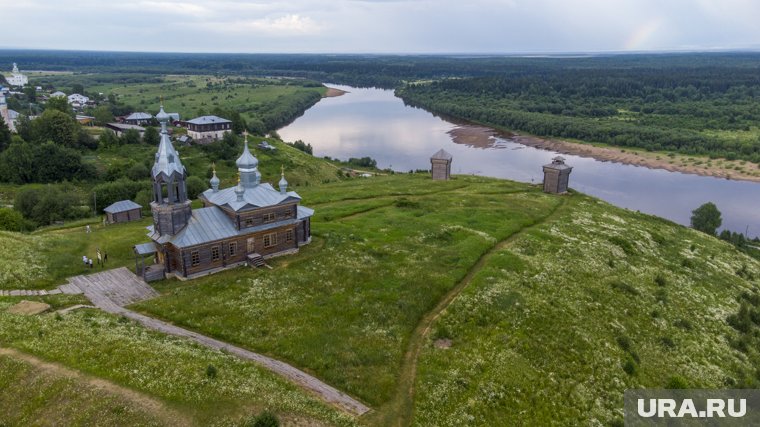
{"x":639,"y":38}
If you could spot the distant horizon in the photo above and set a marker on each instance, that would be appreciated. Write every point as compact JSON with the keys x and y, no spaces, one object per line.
{"x":421,"y":53}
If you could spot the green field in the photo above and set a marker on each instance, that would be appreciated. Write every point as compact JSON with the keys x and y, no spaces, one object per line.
{"x":466,"y":302}
{"x":189,"y":95}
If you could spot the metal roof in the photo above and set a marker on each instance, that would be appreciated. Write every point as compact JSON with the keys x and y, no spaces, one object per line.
{"x":304,"y":212}
{"x":441,"y":155}
{"x":212,"y":224}
{"x":122,"y":206}
{"x":207,"y":120}
{"x":124,"y":126}
{"x":139,"y":116}
{"x":146,"y":248}
{"x":259,"y":196}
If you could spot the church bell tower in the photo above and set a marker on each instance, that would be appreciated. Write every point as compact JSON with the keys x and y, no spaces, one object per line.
{"x":170,"y":206}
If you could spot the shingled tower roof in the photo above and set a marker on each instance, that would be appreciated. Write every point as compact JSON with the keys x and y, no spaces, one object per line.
{"x":167,"y":158}
{"x":441,"y":155}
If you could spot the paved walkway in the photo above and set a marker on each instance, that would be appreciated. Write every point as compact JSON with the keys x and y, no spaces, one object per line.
{"x":111,"y":290}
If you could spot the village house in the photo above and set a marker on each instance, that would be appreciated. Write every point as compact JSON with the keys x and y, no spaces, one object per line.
{"x":243,"y":224}
{"x":207,"y":128}
{"x":17,"y":79}
{"x":138,"y":118}
{"x":77,"y":100}
{"x":57,"y":94}
{"x":120,"y":128}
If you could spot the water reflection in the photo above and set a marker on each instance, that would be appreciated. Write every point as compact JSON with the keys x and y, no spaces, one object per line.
{"x":374,"y":123}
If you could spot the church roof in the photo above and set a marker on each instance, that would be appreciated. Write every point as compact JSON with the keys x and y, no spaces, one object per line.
{"x":441,"y":155}
{"x":212,"y":224}
{"x":259,"y":196}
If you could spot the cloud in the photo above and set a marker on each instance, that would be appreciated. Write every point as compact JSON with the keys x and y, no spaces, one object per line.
{"x":378,"y":26}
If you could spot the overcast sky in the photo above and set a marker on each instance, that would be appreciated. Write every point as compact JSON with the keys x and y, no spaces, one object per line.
{"x":381,"y":26}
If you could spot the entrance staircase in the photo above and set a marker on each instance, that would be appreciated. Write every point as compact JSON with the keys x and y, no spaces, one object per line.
{"x":256,"y":260}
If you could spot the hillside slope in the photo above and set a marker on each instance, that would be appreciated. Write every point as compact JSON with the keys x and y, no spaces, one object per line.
{"x":478,"y":300}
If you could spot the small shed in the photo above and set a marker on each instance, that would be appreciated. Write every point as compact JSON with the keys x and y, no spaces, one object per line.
{"x":123,"y":211}
{"x":440,"y":164}
{"x":557,"y":176}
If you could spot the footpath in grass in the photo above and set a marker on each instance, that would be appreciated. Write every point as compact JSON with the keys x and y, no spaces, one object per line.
{"x":561,"y":321}
{"x":207,"y":386}
{"x":385,"y":251}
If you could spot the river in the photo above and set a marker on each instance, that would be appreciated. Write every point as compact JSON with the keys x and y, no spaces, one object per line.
{"x":375,"y":123}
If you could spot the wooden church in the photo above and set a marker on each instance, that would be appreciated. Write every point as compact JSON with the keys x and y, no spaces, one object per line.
{"x":244,"y":224}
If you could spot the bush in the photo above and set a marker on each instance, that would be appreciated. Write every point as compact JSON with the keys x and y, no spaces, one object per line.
{"x":111,"y":192}
{"x":211,"y":371}
{"x":11,"y":220}
{"x":48,"y":204}
{"x":195,"y":186}
{"x":265,"y":419}
{"x":630,"y":367}
{"x":677,"y":383}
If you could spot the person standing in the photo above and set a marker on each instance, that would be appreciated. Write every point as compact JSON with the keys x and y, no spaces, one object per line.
{"x":90,"y":262}
{"x":105,"y":257}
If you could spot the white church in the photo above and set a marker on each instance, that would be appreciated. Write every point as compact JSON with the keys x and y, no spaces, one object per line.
{"x":17,"y":79}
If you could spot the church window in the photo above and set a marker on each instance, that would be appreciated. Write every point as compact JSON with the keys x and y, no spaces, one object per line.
{"x":195,"y":258}
{"x":233,"y":248}
{"x":289,"y":236}
{"x":270,"y":217}
{"x":215,"y":253}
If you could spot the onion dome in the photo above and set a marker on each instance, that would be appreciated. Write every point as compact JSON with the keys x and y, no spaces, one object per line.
{"x":283,"y":182}
{"x":214,"y":181}
{"x":247,"y":160}
{"x":247,"y":167}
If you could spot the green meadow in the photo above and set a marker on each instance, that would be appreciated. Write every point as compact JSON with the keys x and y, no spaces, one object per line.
{"x":474,"y":301}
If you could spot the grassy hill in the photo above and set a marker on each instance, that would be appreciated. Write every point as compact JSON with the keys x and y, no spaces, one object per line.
{"x":467,"y":302}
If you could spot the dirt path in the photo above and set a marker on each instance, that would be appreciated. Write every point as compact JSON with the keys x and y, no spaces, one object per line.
{"x":400,"y":409}
{"x":111,"y":290}
{"x":145,"y":402}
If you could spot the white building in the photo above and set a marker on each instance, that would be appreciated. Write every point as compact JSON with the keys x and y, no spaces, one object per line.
{"x":16,"y":78}
{"x":76,"y":98}
{"x":207,"y":128}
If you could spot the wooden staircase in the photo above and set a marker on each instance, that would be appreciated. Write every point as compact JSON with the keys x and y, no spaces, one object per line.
{"x":256,"y":260}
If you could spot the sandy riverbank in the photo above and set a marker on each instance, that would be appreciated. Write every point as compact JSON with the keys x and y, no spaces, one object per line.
{"x":332,"y":92}
{"x":481,"y":136}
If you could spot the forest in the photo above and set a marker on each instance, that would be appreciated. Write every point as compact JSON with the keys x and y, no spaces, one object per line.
{"x":690,"y":103}
{"x":702,"y":111}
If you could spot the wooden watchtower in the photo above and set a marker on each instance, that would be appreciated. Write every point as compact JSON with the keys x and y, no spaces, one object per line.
{"x":440,"y":163}
{"x":557,"y":176}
